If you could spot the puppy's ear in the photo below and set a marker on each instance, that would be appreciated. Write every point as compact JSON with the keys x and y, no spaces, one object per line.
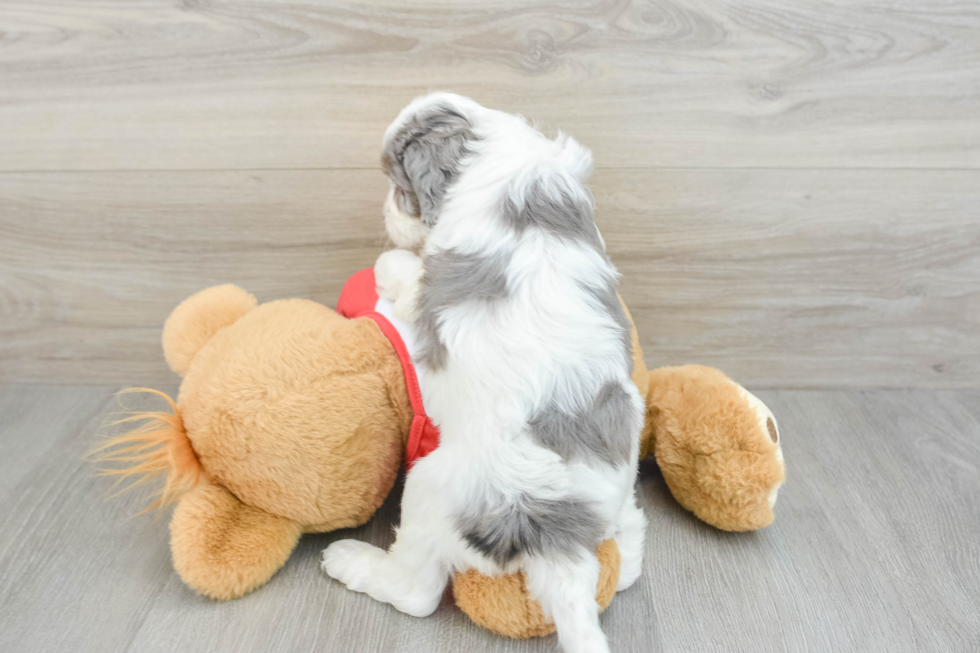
{"x":424,"y":155}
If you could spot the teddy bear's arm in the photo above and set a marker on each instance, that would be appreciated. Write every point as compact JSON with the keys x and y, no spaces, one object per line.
{"x":224,"y":548}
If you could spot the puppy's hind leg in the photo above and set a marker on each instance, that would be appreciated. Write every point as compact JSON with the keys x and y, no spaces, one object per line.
{"x":413,"y":573}
{"x":565,"y":587}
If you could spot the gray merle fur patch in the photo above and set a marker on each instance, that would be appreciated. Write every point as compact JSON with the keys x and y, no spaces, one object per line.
{"x":550,"y":205}
{"x":537,"y":527}
{"x":605,"y":430}
{"x":608,"y":301}
{"x":451,"y":278}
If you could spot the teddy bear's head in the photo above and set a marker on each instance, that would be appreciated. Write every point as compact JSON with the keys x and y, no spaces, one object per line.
{"x":718,"y":446}
{"x":298,"y":419}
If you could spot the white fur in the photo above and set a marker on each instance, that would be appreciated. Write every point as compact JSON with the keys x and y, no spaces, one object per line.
{"x":398,"y":275}
{"x":405,"y":231}
{"x":506,"y":360}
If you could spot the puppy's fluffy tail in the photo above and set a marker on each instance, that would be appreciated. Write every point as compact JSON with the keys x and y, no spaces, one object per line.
{"x":566,"y":589}
{"x":157,"y":446}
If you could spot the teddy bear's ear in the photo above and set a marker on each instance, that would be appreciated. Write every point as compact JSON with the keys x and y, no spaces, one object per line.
{"x":198,"y":318}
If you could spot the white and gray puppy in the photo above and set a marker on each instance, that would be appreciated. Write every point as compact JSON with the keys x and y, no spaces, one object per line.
{"x":526,"y":361}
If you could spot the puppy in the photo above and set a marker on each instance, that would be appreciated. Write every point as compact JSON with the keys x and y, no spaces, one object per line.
{"x":526,"y":364}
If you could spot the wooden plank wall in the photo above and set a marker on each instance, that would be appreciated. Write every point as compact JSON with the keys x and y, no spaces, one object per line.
{"x":790,"y":188}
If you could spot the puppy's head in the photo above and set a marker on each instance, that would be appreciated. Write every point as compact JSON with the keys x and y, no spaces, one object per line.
{"x":423,"y":154}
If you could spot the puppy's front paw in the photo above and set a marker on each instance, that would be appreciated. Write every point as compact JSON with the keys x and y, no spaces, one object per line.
{"x":397,"y":275}
{"x":352,"y":563}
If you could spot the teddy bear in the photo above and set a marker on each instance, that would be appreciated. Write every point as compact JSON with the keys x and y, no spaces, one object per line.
{"x":293,"y":418}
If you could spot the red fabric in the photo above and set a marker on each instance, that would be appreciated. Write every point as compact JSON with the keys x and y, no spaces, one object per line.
{"x":358,"y":299}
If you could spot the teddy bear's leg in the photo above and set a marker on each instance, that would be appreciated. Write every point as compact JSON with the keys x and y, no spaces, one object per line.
{"x":566,"y":587}
{"x":398,"y":275}
{"x":630,"y":540}
{"x":224,"y":548}
{"x":502,"y":603}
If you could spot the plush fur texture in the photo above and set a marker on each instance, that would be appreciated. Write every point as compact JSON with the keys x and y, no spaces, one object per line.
{"x":299,"y":417}
{"x":294,"y":391}
{"x":717,"y":446}
{"x":198,"y":318}
{"x":528,"y":368}
{"x":500,"y":602}
{"x":224,"y":548}
{"x":337,"y":386}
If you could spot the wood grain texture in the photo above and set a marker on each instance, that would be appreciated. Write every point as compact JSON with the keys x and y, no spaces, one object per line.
{"x":25,"y":442}
{"x":802,"y":278}
{"x":91,"y":265}
{"x":781,"y":278}
{"x":62,"y":568}
{"x":875,"y":547}
{"x":218,"y":84}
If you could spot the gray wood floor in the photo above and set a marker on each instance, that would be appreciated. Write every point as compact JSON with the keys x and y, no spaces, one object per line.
{"x":876,"y":547}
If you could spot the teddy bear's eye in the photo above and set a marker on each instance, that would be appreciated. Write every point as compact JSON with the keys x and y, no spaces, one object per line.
{"x":772,"y":430}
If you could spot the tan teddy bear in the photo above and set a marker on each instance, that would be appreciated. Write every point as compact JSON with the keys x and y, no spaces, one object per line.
{"x":294,"y":419}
